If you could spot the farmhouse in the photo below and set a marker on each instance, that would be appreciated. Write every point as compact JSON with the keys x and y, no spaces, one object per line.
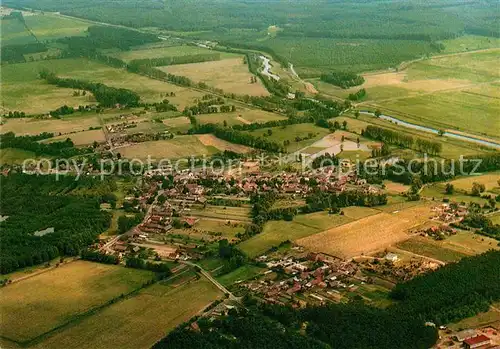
{"x":477,"y":342}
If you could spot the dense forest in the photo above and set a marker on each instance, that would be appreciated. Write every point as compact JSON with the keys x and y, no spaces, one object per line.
{"x":15,"y":53}
{"x":172,"y":60}
{"x":458,"y":290}
{"x":316,"y":38}
{"x":319,"y":200}
{"x":434,"y":19}
{"x":35,"y":203}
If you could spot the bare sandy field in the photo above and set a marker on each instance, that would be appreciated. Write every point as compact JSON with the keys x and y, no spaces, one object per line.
{"x":368,"y":234}
{"x":230,"y":75}
{"x":211,"y":140}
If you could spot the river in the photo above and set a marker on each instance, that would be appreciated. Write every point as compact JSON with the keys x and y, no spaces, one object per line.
{"x":267,"y":68}
{"x":491,"y":144}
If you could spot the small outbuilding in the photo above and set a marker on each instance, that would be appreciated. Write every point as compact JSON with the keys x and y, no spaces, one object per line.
{"x":477,"y":342}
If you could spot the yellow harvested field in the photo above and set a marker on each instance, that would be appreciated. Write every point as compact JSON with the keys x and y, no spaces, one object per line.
{"x":211,"y":140}
{"x":230,"y":75}
{"x":29,"y":126}
{"x":490,"y":181}
{"x":40,"y":303}
{"x":82,"y":138}
{"x":180,"y":146}
{"x":137,"y":322}
{"x":368,"y":234}
{"x":396,"y":188}
{"x":257,"y":115}
{"x":176,"y":122}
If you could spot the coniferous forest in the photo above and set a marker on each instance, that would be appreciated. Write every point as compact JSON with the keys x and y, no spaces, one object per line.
{"x":33,"y":204}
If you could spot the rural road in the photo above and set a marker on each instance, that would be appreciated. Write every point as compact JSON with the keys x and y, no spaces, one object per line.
{"x":108,"y":244}
{"x":213,"y":280}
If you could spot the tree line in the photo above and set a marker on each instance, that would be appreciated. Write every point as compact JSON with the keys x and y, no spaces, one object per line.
{"x":64,"y":148}
{"x":99,"y":257}
{"x":157,"y":267}
{"x":172,"y":60}
{"x":357,"y":96}
{"x":343,"y":79}
{"x":402,"y":140}
{"x":235,"y":136}
{"x":320,"y":200}
{"x":453,"y":292}
{"x":106,"y":96}
{"x":484,"y":225}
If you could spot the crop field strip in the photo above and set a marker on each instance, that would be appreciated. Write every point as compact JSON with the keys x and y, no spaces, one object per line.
{"x":368,"y":234}
{"x":227,"y":74}
{"x":138,"y":321}
{"x":276,"y":232}
{"x":81,"y":287}
{"x":178,"y":147}
{"x":30,"y":126}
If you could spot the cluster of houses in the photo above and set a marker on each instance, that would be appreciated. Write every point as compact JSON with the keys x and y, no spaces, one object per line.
{"x":440,"y":232}
{"x":190,"y":183}
{"x":316,"y":278}
{"x":484,"y":338}
{"x":449,"y":212}
{"x":394,"y":268}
